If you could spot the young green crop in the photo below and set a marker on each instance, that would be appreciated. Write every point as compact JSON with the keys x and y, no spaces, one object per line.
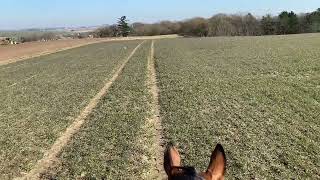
{"x":258,"y":96}
{"x":114,"y":143}
{"x":40,"y":97}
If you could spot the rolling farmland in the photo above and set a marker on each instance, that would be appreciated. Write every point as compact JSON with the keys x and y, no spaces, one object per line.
{"x":257,"y":96}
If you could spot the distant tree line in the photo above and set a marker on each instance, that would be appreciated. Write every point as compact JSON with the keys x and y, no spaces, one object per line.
{"x":38,"y":37}
{"x":50,"y":36}
{"x":221,"y":25}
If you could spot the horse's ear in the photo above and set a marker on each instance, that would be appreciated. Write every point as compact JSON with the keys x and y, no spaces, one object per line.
{"x":217,"y":165}
{"x":171,"y":159}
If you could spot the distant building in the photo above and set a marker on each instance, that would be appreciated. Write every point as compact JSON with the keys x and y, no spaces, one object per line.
{"x":2,"y":39}
{"x":7,"y":41}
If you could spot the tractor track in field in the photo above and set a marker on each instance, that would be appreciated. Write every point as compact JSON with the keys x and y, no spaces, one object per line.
{"x":51,"y":156}
{"x":155,"y":120}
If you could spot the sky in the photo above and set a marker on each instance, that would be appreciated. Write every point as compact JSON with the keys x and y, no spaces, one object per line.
{"x":18,"y":14}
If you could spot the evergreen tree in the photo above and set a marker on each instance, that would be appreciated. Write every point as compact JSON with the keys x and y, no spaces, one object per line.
{"x":293,"y":23}
{"x":288,"y":23}
{"x":268,"y":25}
{"x":314,"y":20}
{"x":123,"y":27}
{"x":283,"y":25}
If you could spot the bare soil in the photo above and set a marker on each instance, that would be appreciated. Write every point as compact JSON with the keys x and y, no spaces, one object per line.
{"x":155,"y":120}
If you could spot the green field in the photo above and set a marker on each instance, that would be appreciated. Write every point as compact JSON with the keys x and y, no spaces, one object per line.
{"x":40,"y":97}
{"x":257,"y":96}
{"x":111,"y":145}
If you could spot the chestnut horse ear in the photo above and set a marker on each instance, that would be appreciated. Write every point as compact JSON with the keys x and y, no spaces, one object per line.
{"x":217,"y":165}
{"x":171,"y":159}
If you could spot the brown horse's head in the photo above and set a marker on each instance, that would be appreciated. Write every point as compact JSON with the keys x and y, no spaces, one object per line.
{"x":174,"y":170}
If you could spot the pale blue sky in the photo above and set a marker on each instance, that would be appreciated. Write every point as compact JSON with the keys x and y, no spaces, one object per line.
{"x":52,"y":13}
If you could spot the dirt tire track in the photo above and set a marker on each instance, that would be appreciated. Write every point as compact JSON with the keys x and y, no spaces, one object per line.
{"x":155,"y":114}
{"x":50,"y":157}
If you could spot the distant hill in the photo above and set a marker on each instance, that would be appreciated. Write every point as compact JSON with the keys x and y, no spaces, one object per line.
{"x":67,"y":29}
